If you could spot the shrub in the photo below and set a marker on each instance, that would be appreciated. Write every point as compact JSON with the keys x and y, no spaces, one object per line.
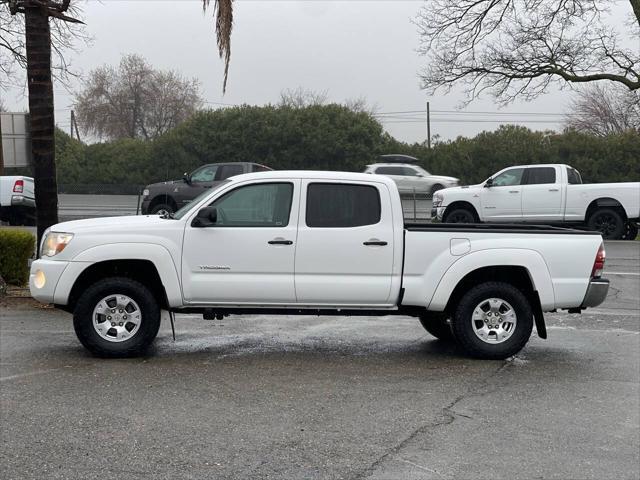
{"x":16,"y":247}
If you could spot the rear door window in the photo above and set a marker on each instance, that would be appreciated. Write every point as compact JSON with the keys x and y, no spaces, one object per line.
{"x":229,"y":170}
{"x":341,"y":205}
{"x":390,"y":171}
{"x":540,"y":175}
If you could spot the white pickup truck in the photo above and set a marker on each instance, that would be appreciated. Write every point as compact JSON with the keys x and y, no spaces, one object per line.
{"x":313,"y":243}
{"x":17,"y":200}
{"x":544,"y":194}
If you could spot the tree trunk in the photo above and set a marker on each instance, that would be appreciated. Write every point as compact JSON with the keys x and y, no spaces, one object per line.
{"x":38,"y":45}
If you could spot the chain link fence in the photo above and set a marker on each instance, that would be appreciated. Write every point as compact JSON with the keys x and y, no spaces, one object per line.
{"x":77,"y":201}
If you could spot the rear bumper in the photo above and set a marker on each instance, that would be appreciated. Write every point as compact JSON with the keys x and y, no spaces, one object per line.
{"x":596,"y":293}
{"x":22,"y":201}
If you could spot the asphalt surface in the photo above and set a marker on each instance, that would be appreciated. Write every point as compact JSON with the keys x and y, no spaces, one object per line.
{"x":309,"y":397}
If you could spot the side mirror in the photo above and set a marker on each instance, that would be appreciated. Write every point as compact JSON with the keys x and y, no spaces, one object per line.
{"x":187,"y":178}
{"x":489,"y":183}
{"x":206,"y":217}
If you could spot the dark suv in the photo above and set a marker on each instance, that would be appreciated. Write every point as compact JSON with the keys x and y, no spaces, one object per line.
{"x":167,"y":197}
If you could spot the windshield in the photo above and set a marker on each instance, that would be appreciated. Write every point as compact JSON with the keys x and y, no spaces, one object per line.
{"x":184,"y":210}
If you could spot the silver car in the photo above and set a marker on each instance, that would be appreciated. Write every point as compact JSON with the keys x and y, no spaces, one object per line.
{"x":410,"y":178}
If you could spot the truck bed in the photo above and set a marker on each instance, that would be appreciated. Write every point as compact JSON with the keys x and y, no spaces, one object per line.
{"x":520,"y":228}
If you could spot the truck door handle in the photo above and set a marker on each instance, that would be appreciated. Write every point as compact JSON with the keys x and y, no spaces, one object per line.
{"x":381,"y":243}
{"x":554,"y":190}
{"x":280,"y":241}
{"x":514,"y":191}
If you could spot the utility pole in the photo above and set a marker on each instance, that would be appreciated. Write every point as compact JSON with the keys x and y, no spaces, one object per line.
{"x":71,"y":123}
{"x":74,"y":124}
{"x":428,"y":128}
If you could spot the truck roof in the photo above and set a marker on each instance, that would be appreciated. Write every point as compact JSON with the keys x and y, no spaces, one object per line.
{"x":314,"y":175}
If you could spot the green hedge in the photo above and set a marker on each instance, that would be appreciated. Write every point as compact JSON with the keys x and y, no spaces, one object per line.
{"x":16,"y":248}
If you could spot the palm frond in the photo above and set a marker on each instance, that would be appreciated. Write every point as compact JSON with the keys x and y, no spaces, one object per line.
{"x":223,"y":12}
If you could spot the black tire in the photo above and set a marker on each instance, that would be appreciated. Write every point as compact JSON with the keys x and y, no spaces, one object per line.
{"x":630,"y":231}
{"x":436,"y":187}
{"x":464,"y":330}
{"x":608,"y":222}
{"x":459,"y":215}
{"x":438,"y":326}
{"x":139,"y":341}
{"x":162,"y":207}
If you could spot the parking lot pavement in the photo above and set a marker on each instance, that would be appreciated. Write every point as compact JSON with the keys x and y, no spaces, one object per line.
{"x":309,"y":397}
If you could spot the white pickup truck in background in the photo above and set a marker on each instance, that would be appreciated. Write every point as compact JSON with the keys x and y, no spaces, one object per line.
{"x":544,"y":194}
{"x":17,"y":200}
{"x":313,"y":243}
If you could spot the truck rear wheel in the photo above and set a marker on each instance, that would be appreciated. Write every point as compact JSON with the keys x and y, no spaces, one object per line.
{"x":116,"y":317}
{"x":493,"y":320}
{"x":608,"y":222}
{"x":437,"y":326}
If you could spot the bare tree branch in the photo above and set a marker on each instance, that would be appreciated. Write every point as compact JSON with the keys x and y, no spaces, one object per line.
{"x":135,"y":100}
{"x":518,"y":48}
{"x":601,"y":111}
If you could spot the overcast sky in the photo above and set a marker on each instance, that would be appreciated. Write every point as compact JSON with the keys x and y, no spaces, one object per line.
{"x":350,"y":49}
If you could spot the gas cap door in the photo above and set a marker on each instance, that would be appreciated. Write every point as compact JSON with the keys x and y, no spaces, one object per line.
{"x":459,"y":246}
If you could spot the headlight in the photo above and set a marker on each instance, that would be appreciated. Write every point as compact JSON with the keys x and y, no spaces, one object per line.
{"x":145,"y":192}
{"x":54,"y":243}
{"x":437,"y":200}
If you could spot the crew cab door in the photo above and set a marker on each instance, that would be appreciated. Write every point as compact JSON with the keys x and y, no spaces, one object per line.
{"x":502,"y":201}
{"x":344,"y":254}
{"x":542,"y":194}
{"x":247,"y":256}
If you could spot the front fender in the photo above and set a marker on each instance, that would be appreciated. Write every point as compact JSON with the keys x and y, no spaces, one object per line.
{"x":156,"y":254}
{"x":531,"y":260}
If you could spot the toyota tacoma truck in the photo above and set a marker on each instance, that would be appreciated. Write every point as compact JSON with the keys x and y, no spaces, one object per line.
{"x":547,"y":194}
{"x":313,"y":243}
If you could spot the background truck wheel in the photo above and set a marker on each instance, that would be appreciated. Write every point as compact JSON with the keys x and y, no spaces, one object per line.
{"x":116,"y":317}
{"x":459,"y":215}
{"x":437,"y":326}
{"x":630,"y":231}
{"x":608,"y":222}
{"x":493,"y":320}
{"x":162,"y":209}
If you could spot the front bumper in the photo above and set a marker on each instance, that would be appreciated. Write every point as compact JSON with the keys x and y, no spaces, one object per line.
{"x":596,"y":292}
{"x":437,"y":213}
{"x":22,"y":201}
{"x":144,"y":206}
{"x":44,"y":278}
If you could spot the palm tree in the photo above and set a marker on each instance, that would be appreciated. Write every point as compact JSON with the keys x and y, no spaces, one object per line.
{"x":223,"y":10}
{"x":40,"y":86}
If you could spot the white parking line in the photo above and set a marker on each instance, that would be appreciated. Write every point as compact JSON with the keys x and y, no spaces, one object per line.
{"x":28,"y":374}
{"x":633,"y":274}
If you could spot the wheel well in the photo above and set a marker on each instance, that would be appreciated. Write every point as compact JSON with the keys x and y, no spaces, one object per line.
{"x":144,"y":271}
{"x":463,"y":205}
{"x":514,"y":275}
{"x":599,"y":203}
{"x":163,"y":198}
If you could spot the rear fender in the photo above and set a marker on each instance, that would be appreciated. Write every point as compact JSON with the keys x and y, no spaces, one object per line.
{"x":531,"y":260}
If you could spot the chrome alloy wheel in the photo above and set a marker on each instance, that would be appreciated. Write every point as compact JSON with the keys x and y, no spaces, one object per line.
{"x":116,"y":318}
{"x":494,"y":320}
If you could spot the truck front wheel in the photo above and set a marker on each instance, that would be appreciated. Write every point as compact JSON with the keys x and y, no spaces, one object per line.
{"x":459,"y":215}
{"x":493,"y":320}
{"x":116,"y":317}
